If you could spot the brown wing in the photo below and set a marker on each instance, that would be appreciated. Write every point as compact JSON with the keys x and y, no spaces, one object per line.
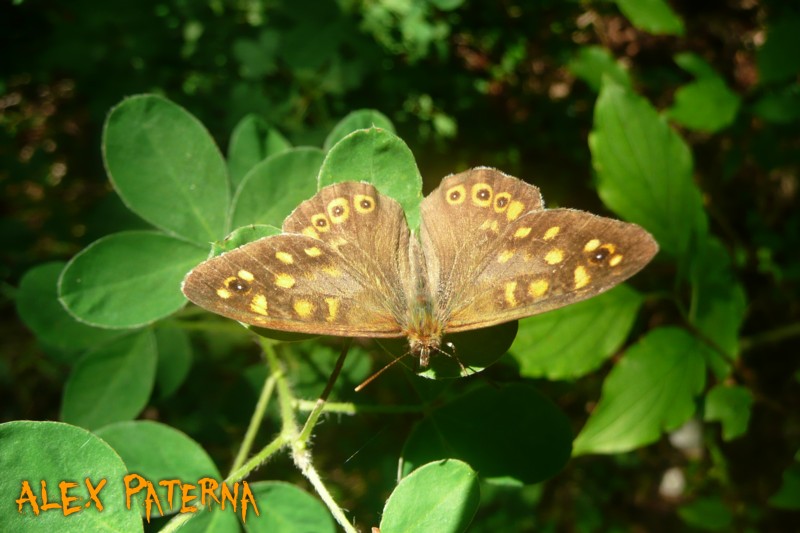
{"x":336,"y":270}
{"x":488,"y":265}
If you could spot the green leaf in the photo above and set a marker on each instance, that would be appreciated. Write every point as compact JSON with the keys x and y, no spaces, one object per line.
{"x":56,"y":452}
{"x":513,"y":432}
{"x":644,"y":170}
{"x":167,"y":169}
{"x":276,"y":186}
{"x":652,"y":389}
{"x":128,"y":279}
{"x":730,"y":405}
{"x":719,"y":303}
{"x":654,"y":16}
{"x":571,"y":342}
{"x":775,"y":61}
{"x":361,"y":119}
{"x":591,"y":63}
{"x":781,"y":106}
{"x":287,"y":509}
{"x":40,"y":310}
{"x":158,"y":452}
{"x":441,"y":496}
{"x":311,"y":363}
{"x":706,"y":104}
{"x":174,"y":359}
{"x":788,"y":496}
{"x":241,"y":236}
{"x":382,"y":159}
{"x":111,"y":383}
{"x":252,"y":141}
{"x":475,"y":350}
{"x":708,"y":514}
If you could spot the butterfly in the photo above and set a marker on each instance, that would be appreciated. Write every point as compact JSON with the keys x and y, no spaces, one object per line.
{"x":487,"y":252}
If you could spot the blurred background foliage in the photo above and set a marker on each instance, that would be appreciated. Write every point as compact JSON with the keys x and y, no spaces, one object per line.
{"x":509,"y":84}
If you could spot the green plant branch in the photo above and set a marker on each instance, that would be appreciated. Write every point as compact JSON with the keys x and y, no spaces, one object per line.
{"x":255,"y":423}
{"x":769,"y":337}
{"x":349,"y":408}
{"x":319,"y":405}
{"x":300,"y":453}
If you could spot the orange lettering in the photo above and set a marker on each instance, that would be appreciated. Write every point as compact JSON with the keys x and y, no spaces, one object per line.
{"x":151,"y":497}
{"x":130,"y":491}
{"x":247,"y":495}
{"x":94,"y":493}
{"x":226,"y":495}
{"x":65,"y":499}
{"x":185,"y":498}
{"x":47,"y":506}
{"x":27,"y":495}
{"x":170,"y":484}
{"x":207,"y":488}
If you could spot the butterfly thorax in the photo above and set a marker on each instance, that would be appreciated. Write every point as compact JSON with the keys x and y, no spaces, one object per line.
{"x":424,"y":331}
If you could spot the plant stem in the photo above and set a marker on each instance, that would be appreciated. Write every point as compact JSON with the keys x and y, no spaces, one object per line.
{"x":311,"y":421}
{"x":771,"y":336}
{"x":349,"y":408}
{"x":255,"y":423}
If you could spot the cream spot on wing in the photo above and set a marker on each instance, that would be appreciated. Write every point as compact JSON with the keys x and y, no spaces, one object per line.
{"x":285,"y":258}
{"x":521,"y":233}
{"x":456,"y":195}
{"x":538,"y":287}
{"x":245,"y":275}
{"x":615,"y":260}
{"x":482,"y":194}
{"x":486,"y":224}
{"x":582,"y":277}
{"x":337,"y":242}
{"x":591,"y":245}
{"x":610,"y":247}
{"x":284,"y":281}
{"x":495,"y":227}
{"x":224,"y":293}
{"x":309,"y":231}
{"x":303,"y":308}
{"x":339,"y":210}
{"x":333,"y":308}
{"x":551,"y":233}
{"x":514,"y":210}
{"x":332,"y":271}
{"x":511,"y":300}
{"x":313,"y":251}
{"x":259,"y":304}
{"x":505,"y":255}
{"x":364,"y":204}
{"x":554,"y":256}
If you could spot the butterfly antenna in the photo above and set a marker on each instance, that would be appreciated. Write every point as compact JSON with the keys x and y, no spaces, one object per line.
{"x":453,"y":356}
{"x":379,"y":372}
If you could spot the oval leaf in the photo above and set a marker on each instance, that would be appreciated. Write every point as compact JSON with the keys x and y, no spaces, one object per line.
{"x":287,"y":509}
{"x":652,"y":389}
{"x":382,"y":159}
{"x":513,"y":432}
{"x":654,"y":16}
{"x":441,"y":496}
{"x":273,"y":188}
{"x":128,"y":279}
{"x":112,"y":382}
{"x":178,"y":458}
{"x":644,"y":170}
{"x":167,"y":169}
{"x":730,"y":405}
{"x":252,"y":141}
{"x":571,"y":342}
{"x":54,"y":453}
{"x":361,"y":119}
{"x":40,"y":310}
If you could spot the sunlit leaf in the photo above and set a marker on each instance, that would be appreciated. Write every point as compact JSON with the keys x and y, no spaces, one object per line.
{"x":731,"y":406}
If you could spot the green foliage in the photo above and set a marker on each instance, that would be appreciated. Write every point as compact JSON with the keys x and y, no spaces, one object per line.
{"x":698,"y":147}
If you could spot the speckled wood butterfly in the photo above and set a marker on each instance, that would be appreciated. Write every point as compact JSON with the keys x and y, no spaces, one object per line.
{"x":488,"y":252}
